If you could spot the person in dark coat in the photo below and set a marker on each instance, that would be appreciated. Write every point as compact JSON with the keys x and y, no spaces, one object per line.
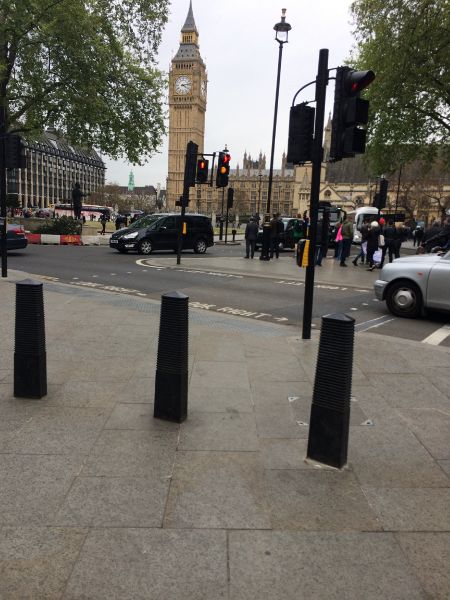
{"x":390,"y":239}
{"x":103,"y":220}
{"x":276,"y":229}
{"x":251,"y":233}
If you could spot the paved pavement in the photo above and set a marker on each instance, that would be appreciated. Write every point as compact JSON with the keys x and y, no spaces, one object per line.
{"x":100,"y":501}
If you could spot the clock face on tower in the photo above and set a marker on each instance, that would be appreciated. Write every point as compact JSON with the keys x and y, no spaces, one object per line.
{"x":183,"y":85}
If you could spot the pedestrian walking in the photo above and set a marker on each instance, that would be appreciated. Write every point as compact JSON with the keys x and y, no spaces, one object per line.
{"x":363,"y":250}
{"x":390,"y":240}
{"x":347,"y":238}
{"x":103,"y":221}
{"x":373,"y":236}
{"x":338,"y":243}
{"x":251,"y":234}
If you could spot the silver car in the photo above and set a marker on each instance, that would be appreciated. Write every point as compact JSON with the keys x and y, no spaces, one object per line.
{"x":412,"y":284}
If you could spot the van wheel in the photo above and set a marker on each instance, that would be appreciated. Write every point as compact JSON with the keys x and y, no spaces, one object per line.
{"x":200,"y":246}
{"x":145,"y":247}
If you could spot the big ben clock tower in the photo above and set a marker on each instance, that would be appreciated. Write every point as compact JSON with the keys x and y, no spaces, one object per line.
{"x":187,"y":105}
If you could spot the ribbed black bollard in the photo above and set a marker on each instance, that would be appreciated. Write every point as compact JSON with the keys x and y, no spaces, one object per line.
{"x":30,"y":360}
{"x":330,"y":409}
{"x":171,"y":385}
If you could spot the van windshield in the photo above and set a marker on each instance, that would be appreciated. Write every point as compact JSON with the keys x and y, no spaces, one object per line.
{"x":144,"y":221}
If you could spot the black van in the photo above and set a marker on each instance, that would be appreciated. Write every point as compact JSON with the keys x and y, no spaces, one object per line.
{"x":162,"y":234}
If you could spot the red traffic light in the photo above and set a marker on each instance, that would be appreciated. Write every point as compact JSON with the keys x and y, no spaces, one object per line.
{"x":202,"y":170}
{"x":226,"y":159}
{"x":358,"y":80}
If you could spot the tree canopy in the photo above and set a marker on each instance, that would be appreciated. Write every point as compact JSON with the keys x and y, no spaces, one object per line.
{"x":86,"y":67}
{"x":407,"y":44}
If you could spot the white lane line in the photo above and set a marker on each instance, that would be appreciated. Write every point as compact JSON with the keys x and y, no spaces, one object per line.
{"x":437,"y":336}
{"x":372,"y":323}
{"x":379,"y":324}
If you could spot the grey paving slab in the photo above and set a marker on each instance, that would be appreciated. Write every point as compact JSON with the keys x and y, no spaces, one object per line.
{"x":219,"y":399}
{"x":275,"y":565}
{"x":277,"y":368}
{"x":410,"y":391}
{"x":432,"y":427}
{"x":132,"y":453}
{"x":217,"y":490}
{"x":392,"y":457}
{"x":445,"y":465}
{"x":83,"y":394}
{"x":114,"y":502}
{"x":55,"y":430}
{"x":234,"y":376}
{"x":112,"y":369}
{"x":312,"y":500}
{"x":150,"y":564}
{"x":33,"y":486}
{"x":232,"y":432}
{"x":270,"y":395}
{"x":36,"y":562}
{"x":440,"y":378}
{"x":278,"y":422}
{"x":137,"y":416}
{"x":429,"y":556}
{"x":423,"y":509}
{"x":387,"y":361}
{"x":301,"y":410}
{"x":221,"y":349}
{"x":283,"y":453}
{"x":140,"y":389}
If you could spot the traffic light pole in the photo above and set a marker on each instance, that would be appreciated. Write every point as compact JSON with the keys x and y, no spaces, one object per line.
{"x":226,"y":225}
{"x":221,"y":216}
{"x":317,"y":157}
{"x":3,"y":242}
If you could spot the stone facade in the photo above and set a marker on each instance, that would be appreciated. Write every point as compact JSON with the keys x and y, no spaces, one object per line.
{"x":53,"y":167}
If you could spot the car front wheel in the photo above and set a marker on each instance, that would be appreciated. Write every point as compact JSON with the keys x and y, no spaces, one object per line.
{"x":145,"y":247}
{"x":404,"y":299}
{"x":200,"y":246}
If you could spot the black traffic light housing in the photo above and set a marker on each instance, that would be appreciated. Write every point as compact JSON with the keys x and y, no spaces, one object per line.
{"x":380,"y":199}
{"x":190,"y":167}
{"x":301,"y":133}
{"x":202,"y":170}
{"x":230,"y":198}
{"x":350,"y":111}
{"x":223,"y":169}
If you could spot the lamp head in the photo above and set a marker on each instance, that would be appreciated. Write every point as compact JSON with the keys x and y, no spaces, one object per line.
{"x":282,"y":28}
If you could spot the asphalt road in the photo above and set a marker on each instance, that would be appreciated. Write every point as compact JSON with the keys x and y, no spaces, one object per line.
{"x":258,"y":298}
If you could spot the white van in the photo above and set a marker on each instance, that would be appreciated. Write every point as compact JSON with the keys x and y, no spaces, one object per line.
{"x":359,"y":215}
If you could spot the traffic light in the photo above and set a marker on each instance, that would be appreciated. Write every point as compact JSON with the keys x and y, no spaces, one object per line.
{"x":380,"y":198}
{"x":190,"y":166}
{"x":350,"y":111}
{"x":301,"y":132}
{"x":223,"y":169}
{"x":14,"y":159}
{"x":230,"y":197}
{"x":202,"y":170}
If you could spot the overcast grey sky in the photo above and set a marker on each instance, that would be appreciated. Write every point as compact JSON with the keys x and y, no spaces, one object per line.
{"x":237,"y":43}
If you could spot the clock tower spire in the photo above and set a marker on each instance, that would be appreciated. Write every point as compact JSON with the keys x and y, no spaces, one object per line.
{"x":187,"y":105}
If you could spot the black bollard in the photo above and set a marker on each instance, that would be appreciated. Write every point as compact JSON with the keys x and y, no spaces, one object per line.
{"x":233,"y":233}
{"x":171,"y":384}
{"x":30,"y":360}
{"x":330,"y":409}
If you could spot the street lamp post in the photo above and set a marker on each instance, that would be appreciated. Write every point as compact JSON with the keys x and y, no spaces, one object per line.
{"x":281,"y":36}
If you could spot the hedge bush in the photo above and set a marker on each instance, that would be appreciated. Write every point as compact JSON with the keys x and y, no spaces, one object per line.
{"x":62,"y":226}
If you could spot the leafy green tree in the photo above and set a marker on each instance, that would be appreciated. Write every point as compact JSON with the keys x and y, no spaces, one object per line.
{"x":407,"y":44}
{"x":87,"y":67}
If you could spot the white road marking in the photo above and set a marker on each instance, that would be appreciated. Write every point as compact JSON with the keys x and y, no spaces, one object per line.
{"x":94,"y":275}
{"x":75,"y":278}
{"x":372,"y":323}
{"x":437,"y":336}
{"x":353,"y":309}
